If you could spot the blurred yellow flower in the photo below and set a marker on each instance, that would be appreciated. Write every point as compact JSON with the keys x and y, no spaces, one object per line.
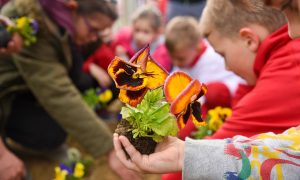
{"x":79,"y":170}
{"x":60,"y":174}
{"x":21,"y":22}
{"x":215,"y":123}
{"x":105,"y":96}
{"x":217,"y":116}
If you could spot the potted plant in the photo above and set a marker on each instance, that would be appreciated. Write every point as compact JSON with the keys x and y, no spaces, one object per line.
{"x":148,"y":123}
{"x":146,"y":117}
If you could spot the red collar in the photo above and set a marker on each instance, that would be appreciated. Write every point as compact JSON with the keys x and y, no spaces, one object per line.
{"x":202,"y":49}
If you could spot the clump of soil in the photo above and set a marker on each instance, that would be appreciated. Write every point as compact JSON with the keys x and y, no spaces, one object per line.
{"x":145,"y":145}
{"x":4,"y":35}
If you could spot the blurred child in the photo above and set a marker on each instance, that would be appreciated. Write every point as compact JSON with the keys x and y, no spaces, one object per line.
{"x":146,"y":29}
{"x":193,"y":55}
{"x":269,"y":63}
{"x":97,"y":63}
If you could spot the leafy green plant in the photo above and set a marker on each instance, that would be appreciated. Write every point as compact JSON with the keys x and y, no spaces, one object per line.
{"x":152,"y":117}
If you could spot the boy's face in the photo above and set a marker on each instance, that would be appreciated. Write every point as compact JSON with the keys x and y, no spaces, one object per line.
{"x":238,"y":57}
{"x":183,"y":56}
{"x":143,"y":33}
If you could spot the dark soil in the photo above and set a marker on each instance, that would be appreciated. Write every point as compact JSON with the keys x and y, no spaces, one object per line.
{"x":144,"y":145}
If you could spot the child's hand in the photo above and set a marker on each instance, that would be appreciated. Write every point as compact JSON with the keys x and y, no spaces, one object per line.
{"x":100,"y":75}
{"x":117,"y":166}
{"x":168,"y":156}
{"x":121,"y":52}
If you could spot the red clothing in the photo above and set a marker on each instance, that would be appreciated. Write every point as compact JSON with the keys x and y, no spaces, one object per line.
{"x":101,"y":57}
{"x":241,"y":91}
{"x":124,"y":38}
{"x":162,"y":57}
{"x":274,"y":102}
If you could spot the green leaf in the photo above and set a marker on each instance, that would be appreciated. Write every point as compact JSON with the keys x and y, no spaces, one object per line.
{"x":157,"y":138}
{"x":91,"y":98}
{"x":152,"y":117}
{"x":202,"y":132}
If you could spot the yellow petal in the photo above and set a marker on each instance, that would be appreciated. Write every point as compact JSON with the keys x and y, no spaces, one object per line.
{"x":175,"y":84}
{"x":156,"y":75}
{"x":132,"y":98}
{"x":141,"y":57}
{"x":186,"y":96}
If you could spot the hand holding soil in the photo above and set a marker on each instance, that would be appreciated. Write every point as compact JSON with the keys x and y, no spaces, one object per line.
{"x":168,"y":156}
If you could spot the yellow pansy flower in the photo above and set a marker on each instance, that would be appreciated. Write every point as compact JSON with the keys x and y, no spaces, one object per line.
{"x":105,"y":96}
{"x":60,"y":174}
{"x":215,"y":123}
{"x":21,"y":22}
{"x":79,"y":170}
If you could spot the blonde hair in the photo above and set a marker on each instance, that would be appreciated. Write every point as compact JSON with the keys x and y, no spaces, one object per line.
{"x":149,"y":13}
{"x":182,"y":31}
{"x":229,"y":16}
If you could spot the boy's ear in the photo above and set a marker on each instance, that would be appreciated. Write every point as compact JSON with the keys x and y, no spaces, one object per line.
{"x":250,"y":38}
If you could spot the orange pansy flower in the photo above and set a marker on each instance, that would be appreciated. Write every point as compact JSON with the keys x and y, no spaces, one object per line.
{"x":136,"y":77}
{"x":183,"y":92}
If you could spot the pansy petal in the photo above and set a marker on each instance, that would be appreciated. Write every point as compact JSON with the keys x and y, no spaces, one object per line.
{"x":156,"y":74}
{"x":141,"y":57}
{"x":132,"y":98}
{"x":196,"y":114}
{"x":203,"y":90}
{"x":183,"y":118}
{"x":186,"y":96}
{"x":175,"y":84}
{"x":126,"y":75}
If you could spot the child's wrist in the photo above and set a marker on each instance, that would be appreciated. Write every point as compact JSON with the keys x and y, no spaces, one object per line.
{"x":181,"y":155}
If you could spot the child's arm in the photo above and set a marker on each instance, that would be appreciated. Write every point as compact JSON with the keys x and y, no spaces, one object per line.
{"x":236,"y":158}
{"x":100,"y":75}
{"x":264,"y":156}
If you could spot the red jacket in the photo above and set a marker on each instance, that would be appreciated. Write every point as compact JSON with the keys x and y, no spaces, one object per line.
{"x":101,"y":57}
{"x":274,"y":103}
{"x":124,"y":38}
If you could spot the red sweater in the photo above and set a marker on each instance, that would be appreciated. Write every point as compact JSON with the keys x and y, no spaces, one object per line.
{"x":274,"y":103}
{"x":101,"y":57}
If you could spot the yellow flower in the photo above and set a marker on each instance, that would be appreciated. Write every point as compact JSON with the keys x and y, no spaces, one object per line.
{"x":105,"y":96}
{"x":79,"y":170}
{"x":219,"y":112}
{"x":215,"y":123}
{"x":60,"y":174}
{"x":21,"y":22}
{"x":217,"y":116}
{"x":226,"y":112}
{"x":213,"y":114}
